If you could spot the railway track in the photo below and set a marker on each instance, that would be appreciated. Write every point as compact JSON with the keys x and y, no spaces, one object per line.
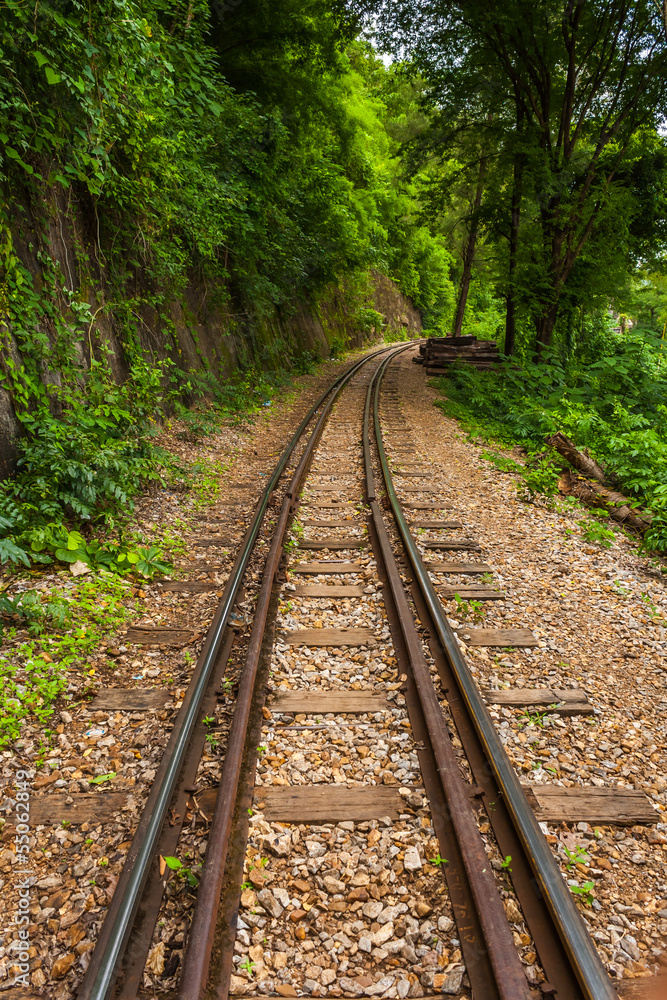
{"x":364,"y":850}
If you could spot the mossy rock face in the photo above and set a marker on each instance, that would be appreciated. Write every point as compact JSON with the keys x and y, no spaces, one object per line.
{"x":196,"y":329}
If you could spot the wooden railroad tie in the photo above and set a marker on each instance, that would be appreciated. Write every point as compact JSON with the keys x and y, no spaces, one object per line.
{"x":317,"y":703}
{"x":471,"y":593}
{"x":454,"y":544}
{"x":339,"y":566}
{"x":513,"y":637}
{"x":436,"y":524}
{"x":53,"y":810}
{"x":328,"y":590}
{"x":424,"y":505}
{"x":333,"y":543}
{"x":567,"y":701}
{"x":597,"y":806}
{"x":145,"y":636}
{"x":454,"y":568}
{"x":331,"y":488}
{"x":327,"y":803}
{"x":204,"y":567}
{"x":339,"y":471}
{"x":329,"y":637}
{"x":404,"y":488}
{"x":188,"y":586}
{"x":335,"y":803}
{"x":128,"y":699}
{"x":329,"y":504}
{"x":348,"y":522}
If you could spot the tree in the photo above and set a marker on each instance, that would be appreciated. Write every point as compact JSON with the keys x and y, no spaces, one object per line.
{"x":583,"y":78}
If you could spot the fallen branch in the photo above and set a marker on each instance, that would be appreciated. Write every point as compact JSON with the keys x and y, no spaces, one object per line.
{"x":594,"y":493}
{"x":578,"y":459}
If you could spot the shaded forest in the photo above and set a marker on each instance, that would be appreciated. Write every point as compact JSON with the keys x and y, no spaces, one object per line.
{"x":503,"y":165}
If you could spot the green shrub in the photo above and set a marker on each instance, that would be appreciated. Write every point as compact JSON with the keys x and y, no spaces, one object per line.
{"x":613,"y":406}
{"x":82,"y":466}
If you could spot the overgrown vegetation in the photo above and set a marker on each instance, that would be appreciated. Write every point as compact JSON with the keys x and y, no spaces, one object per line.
{"x":543,"y":143}
{"x":48,"y":633}
{"x":613,"y":405}
{"x":248,"y":152}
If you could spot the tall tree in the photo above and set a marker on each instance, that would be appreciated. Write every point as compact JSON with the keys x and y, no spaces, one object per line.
{"x":584,"y":76}
{"x":469,"y":248}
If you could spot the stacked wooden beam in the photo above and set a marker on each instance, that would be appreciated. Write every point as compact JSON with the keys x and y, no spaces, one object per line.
{"x":439,"y":353}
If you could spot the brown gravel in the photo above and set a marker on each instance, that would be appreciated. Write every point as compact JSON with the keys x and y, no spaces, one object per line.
{"x":357,"y":909}
{"x":600,"y":618}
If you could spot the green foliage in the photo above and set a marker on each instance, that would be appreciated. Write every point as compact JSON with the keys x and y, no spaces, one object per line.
{"x":576,"y":857}
{"x":183,"y":871}
{"x":33,"y":612}
{"x":45,"y":642}
{"x":124,"y":104}
{"x":266,"y":186}
{"x":561,"y":175}
{"x":613,"y":406}
{"x":539,"y":479}
{"x":501,"y":462}
{"x":528,"y":718}
{"x":86,"y":448}
{"x":586,"y":892}
{"x":594,"y":531}
{"x":469,"y":609}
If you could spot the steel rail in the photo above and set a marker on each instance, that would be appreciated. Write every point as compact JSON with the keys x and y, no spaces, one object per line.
{"x":101,"y":975}
{"x":579,"y":946}
{"x":197,"y":959}
{"x":506,"y":971}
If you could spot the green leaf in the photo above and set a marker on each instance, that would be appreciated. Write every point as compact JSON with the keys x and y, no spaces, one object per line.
{"x":101,"y":778}
{"x":51,"y":76}
{"x":41,"y":58}
{"x":173,"y":863}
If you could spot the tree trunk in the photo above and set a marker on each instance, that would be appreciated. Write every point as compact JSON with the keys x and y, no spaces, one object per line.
{"x":469,"y":252}
{"x":545,"y":328}
{"x":579,"y":459}
{"x":510,"y":316}
{"x":595,"y":493}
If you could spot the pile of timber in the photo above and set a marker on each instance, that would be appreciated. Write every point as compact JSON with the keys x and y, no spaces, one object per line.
{"x":439,"y":353}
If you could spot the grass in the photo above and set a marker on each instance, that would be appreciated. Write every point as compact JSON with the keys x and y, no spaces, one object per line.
{"x":39,"y":658}
{"x":47,"y":637}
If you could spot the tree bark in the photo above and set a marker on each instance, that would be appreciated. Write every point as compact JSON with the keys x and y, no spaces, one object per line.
{"x":594,"y":493}
{"x":578,"y":459}
{"x":617,"y":506}
{"x":510,"y":315}
{"x":545,"y":328}
{"x":469,"y":252}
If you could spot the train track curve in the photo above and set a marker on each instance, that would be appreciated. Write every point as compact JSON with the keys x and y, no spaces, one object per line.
{"x":404,"y":673}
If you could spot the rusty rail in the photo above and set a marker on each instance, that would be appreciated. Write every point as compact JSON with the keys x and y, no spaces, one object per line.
{"x":197,"y":958}
{"x":569,"y":926}
{"x":100,"y":977}
{"x":508,"y":978}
